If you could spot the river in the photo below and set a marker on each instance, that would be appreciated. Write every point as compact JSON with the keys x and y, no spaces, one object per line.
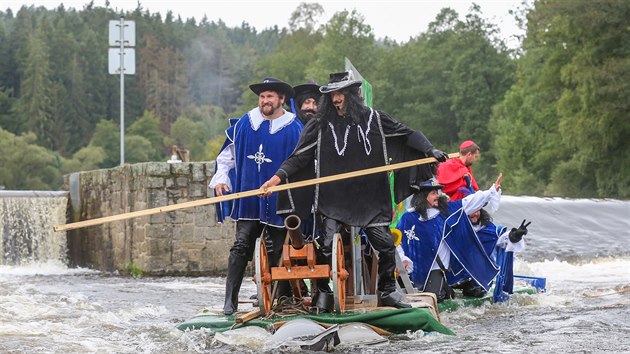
{"x":581,"y":246}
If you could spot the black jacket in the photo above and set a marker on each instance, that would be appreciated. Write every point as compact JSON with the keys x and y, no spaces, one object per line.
{"x":341,"y":146}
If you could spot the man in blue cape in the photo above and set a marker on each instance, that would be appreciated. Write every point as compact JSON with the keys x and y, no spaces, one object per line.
{"x":256,"y":146}
{"x":439,"y":239}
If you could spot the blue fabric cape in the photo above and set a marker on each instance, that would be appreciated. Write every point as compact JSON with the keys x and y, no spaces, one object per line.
{"x":223,"y":209}
{"x":467,"y":253}
{"x":421,"y":240}
{"x":258,"y":154}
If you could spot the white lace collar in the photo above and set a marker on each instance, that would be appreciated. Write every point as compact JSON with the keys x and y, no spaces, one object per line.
{"x":431,"y":213}
{"x":256,"y":119}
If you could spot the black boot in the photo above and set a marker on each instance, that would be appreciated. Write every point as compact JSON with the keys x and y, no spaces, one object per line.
{"x":393,"y":299}
{"x":236,"y":271}
{"x":473,"y":290}
{"x":437,"y":284}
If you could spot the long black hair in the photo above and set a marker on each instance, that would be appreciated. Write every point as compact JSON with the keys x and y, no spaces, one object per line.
{"x":421,"y":205}
{"x":484,"y":217}
{"x":355,"y":109}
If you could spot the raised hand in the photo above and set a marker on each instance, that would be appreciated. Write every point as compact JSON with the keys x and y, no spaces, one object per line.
{"x":497,"y":184}
{"x":517,"y":234}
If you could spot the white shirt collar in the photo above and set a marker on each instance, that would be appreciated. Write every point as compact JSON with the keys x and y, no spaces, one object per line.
{"x":256,"y":118}
{"x":431,"y":213}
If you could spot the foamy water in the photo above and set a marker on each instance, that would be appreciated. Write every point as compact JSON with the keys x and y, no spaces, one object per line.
{"x":46,"y":307}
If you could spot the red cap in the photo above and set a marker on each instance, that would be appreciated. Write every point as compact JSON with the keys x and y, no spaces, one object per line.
{"x":466,"y":144}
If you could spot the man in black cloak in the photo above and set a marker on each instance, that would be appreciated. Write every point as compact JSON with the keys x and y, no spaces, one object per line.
{"x":346,"y":136}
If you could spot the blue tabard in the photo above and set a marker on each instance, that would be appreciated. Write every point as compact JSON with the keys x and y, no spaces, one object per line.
{"x":223,"y":209}
{"x":488,"y":236}
{"x":421,"y":240}
{"x":468,"y":254}
{"x":258,"y":155}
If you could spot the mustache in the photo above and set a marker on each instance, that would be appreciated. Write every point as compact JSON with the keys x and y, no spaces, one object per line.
{"x":306,"y":111}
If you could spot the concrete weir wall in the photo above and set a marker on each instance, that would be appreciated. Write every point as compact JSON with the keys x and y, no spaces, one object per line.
{"x":184,"y":242}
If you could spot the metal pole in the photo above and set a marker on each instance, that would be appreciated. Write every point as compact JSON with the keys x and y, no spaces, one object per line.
{"x":122,"y":91}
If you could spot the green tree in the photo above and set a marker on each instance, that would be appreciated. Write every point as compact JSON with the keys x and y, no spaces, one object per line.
{"x":162,"y":76}
{"x":148,"y":127}
{"x":305,"y":17}
{"x":137,"y":149}
{"x":345,"y":35}
{"x":211,"y":60}
{"x":8,"y":120}
{"x":563,"y":127}
{"x":36,"y":89}
{"x":192,"y":135}
{"x":107,"y":136}
{"x":446,"y":81}
{"x":25,"y":165}
{"x":212,"y":118}
{"x":86,"y":159}
{"x":293,"y":58}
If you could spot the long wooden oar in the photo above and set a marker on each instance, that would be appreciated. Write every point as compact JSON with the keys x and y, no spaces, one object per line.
{"x":250,"y":193}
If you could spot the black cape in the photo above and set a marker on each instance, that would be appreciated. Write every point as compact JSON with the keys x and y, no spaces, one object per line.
{"x":341,"y":146}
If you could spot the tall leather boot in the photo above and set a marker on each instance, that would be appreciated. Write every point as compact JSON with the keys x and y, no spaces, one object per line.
{"x":236,"y":271}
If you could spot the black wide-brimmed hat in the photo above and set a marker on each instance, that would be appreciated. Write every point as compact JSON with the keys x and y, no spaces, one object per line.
{"x":430,"y":185}
{"x":310,"y":87}
{"x":271,"y":84}
{"x":338,"y":81}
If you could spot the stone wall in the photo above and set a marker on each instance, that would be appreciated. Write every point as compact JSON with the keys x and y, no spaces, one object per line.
{"x":183,"y":242}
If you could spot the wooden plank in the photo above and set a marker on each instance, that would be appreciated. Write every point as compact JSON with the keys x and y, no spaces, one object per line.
{"x":247,"y":317}
{"x":301,"y":272}
{"x":298,"y":254}
{"x":250,"y":193}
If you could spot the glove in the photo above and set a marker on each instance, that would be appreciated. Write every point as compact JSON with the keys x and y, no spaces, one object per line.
{"x":439,"y":155}
{"x":516,"y":235}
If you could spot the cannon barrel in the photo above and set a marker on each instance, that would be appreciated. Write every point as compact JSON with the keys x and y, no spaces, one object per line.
{"x":292,"y":223}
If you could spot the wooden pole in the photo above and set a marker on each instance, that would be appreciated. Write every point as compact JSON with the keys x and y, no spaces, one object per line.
{"x":247,"y":317}
{"x":250,"y":193}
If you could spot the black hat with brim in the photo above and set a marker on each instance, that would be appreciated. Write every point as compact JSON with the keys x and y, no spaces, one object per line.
{"x":307,"y":88}
{"x":271,"y":84}
{"x":339,"y":81}
{"x":430,"y":185}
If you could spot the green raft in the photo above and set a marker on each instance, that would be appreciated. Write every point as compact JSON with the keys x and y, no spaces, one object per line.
{"x":396,"y":321}
{"x":465,"y":301}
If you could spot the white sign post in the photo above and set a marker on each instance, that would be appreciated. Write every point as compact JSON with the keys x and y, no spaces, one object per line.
{"x":122,"y":60}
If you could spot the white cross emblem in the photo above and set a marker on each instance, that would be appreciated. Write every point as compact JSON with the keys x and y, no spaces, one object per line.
{"x":259,"y":157}
{"x":411,"y":234}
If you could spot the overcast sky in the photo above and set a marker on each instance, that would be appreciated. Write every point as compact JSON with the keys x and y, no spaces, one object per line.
{"x":398,"y":20}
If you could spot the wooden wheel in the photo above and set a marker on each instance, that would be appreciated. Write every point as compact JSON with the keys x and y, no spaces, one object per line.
{"x":339,"y":274}
{"x":263,"y":277}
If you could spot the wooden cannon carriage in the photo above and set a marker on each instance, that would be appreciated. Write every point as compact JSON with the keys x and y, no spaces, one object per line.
{"x":293,"y":269}
{"x":352,"y":273}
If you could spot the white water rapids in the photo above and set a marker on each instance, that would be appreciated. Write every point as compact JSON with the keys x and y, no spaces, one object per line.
{"x":582,"y":247}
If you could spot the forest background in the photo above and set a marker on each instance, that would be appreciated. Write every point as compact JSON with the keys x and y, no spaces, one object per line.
{"x":552,"y":115}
